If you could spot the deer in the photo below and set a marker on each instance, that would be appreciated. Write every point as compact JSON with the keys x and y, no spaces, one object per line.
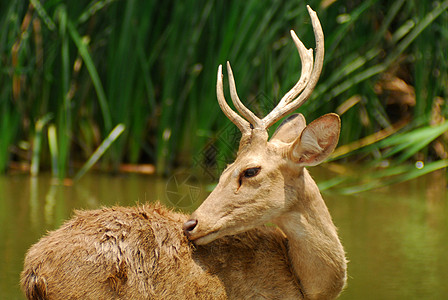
{"x":226,"y":249}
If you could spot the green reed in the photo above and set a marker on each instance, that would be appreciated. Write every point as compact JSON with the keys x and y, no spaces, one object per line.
{"x":151,"y":66}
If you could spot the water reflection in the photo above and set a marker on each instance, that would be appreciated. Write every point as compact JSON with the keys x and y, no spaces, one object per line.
{"x":396,"y":238}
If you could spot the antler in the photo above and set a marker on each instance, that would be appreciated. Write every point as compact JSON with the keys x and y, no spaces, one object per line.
{"x":292,"y":99}
{"x":236,"y":119}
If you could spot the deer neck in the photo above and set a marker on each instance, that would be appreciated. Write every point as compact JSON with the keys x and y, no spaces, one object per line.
{"x":315,"y":251}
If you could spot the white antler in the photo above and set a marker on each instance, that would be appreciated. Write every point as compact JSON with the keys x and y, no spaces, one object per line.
{"x":236,"y":119}
{"x":243,"y":110}
{"x":310,"y":74}
{"x":293,"y":99}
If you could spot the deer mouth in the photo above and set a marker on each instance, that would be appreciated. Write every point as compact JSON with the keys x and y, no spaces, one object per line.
{"x":197,"y":235}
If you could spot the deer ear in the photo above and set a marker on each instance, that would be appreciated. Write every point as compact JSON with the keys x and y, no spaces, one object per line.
{"x":317,"y":141}
{"x":290,"y":129}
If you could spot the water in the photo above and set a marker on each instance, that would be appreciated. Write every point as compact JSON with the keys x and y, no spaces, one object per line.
{"x":396,"y":238}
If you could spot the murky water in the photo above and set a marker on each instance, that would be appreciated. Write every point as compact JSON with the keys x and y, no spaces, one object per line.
{"x":396,"y":238}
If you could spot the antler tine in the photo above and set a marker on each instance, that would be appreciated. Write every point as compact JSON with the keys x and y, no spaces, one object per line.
{"x":243,"y":110}
{"x":306,"y":57}
{"x":288,"y":103}
{"x":236,"y":119}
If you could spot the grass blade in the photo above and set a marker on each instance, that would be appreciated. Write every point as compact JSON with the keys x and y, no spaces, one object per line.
{"x":84,"y":52}
{"x":115,"y":133}
{"x":53,"y":145}
{"x":401,"y":174}
{"x":37,"y":143}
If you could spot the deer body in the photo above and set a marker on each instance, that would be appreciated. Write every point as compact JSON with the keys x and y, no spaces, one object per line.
{"x":142,"y":253}
{"x":223,"y":250}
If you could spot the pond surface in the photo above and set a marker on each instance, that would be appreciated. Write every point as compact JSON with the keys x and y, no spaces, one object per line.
{"x":396,"y":238}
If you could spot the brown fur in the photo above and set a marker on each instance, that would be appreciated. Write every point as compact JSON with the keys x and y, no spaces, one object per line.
{"x":142,"y":253}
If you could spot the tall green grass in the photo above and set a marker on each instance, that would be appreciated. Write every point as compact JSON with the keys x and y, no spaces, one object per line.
{"x":151,"y":66}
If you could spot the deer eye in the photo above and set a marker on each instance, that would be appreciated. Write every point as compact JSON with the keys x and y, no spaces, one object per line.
{"x":251,"y":172}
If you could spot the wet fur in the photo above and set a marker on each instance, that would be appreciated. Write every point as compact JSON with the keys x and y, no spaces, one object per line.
{"x":141,"y":253}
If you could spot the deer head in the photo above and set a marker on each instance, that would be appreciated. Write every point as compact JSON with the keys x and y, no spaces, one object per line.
{"x":267,"y":178}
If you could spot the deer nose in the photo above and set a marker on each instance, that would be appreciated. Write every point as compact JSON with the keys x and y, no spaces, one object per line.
{"x":189,"y":226}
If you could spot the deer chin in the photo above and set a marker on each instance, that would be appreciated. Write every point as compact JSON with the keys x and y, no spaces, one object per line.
{"x":202,"y":238}
{"x":208,"y":237}
{"x":205,"y":239}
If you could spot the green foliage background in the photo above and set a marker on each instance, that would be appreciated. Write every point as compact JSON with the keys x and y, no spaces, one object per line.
{"x":74,"y":74}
